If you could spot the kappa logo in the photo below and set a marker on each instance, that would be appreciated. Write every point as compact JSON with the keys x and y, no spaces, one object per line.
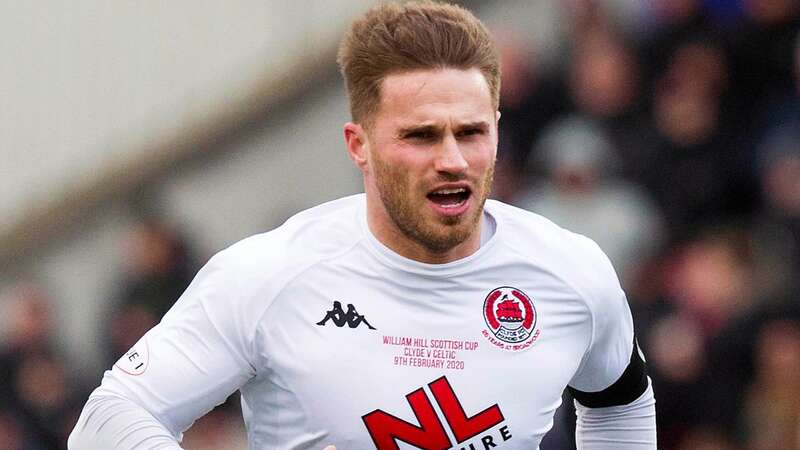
{"x":470,"y":433}
{"x":351,"y":318}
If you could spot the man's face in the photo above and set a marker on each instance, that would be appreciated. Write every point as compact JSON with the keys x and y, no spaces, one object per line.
{"x":429,"y":159}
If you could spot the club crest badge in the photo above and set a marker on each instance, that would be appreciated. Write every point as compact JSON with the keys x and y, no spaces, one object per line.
{"x":510,"y":319}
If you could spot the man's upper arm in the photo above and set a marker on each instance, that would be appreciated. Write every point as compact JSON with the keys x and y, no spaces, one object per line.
{"x":612,"y":371}
{"x":198,"y":355}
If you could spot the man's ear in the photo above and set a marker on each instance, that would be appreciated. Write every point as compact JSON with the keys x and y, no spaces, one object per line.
{"x":355,"y":137}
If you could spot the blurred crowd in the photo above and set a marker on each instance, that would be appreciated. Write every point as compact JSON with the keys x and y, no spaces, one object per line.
{"x":40,"y":397}
{"x":673,"y":140}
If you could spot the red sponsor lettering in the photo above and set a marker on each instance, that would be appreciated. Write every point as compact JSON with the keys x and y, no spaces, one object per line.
{"x":386,"y":429}
{"x":463,"y":427}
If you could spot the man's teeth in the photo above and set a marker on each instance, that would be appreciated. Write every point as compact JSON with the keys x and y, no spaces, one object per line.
{"x":450,"y":198}
{"x":450,"y":191}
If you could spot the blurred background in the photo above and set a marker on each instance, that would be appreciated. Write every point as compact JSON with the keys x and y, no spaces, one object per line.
{"x":139,"y":138}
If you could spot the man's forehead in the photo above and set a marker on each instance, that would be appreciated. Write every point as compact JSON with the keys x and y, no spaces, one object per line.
{"x":426,"y":97}
{"x":439,"y":82}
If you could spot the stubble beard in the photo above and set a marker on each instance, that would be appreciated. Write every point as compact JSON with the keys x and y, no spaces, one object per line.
{"x":395,"y":192}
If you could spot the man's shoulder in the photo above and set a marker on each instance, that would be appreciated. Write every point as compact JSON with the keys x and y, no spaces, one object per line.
{"x":311,"y":235}
{"x":528,"y":229}
{"x":516,"y":217}
{"x":573,"y":257}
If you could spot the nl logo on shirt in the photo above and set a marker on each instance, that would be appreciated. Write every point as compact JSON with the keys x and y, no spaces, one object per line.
{"x":386,"y":429}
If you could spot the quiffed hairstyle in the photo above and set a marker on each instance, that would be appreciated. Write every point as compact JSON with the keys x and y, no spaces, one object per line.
{"x":394,"y":38}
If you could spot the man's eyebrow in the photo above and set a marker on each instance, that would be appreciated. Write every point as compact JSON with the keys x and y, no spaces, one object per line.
{"x":417,"y":129}
{"x":480,"y":124}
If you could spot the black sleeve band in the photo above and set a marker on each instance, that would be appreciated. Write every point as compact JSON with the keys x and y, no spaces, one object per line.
{"x":630,"y":385}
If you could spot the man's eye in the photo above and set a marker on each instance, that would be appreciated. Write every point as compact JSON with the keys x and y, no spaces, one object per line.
{"x":420,"y":135}
{"x":471,"y":132}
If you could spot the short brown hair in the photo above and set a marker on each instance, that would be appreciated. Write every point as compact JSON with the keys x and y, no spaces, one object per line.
{"x":393,"y":38}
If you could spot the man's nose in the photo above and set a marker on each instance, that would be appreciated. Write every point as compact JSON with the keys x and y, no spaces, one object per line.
{"x":450,"y":158}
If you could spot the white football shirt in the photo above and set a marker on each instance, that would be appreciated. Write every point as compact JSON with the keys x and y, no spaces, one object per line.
{"x":332,"y":338}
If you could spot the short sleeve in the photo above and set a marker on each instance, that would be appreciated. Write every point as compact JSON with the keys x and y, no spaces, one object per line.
{"x":609,"y":351}
{"x":196,"y":357}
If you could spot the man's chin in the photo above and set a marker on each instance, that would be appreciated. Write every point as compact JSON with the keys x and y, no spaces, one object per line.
{"x":451,"y":221}
{"x":444,"y":237}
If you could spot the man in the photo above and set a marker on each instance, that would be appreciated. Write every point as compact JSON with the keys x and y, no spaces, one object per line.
{"x":464,"y":324}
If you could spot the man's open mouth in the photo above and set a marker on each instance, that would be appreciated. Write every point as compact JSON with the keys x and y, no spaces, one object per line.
{"x":450,"y":197}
